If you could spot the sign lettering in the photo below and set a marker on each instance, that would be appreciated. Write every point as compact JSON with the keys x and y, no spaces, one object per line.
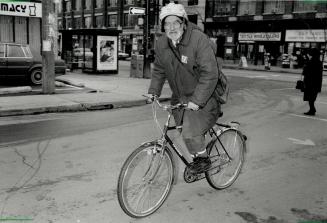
{"x":25,"y":9}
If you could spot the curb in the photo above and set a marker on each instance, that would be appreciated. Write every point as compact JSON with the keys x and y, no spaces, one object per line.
{"x":77,"y":107}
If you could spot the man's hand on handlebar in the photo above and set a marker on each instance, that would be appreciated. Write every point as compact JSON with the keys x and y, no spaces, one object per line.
{"x":150,"y":98}
{"x":192,"y":106}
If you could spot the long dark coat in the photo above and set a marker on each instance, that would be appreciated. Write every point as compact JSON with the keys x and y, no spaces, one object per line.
{"x":195,"y":79}
{"x":312,"y":73}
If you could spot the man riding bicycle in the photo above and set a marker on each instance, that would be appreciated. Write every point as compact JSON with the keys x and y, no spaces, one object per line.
{"x":185,"y":56}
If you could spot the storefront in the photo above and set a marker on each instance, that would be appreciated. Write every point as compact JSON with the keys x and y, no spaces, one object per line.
{"x":20,"y":22}
{"x":299,"y":42}
{"x":254,"y":46}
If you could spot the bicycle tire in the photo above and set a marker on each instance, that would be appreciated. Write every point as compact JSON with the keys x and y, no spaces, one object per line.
{"x":144,"y":189}
{"x":230,"y":165}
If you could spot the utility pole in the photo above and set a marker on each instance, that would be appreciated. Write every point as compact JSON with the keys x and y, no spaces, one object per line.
{"x":48,"y":38}
{"x":146,"y":35}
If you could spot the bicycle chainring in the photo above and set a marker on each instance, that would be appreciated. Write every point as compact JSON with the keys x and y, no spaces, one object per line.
{"x":190,"y":177}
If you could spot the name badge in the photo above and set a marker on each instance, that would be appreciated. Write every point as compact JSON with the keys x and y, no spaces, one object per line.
{"x":184,"y":59}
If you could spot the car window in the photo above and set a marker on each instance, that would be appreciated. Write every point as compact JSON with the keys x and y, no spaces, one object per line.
{"x":15,"y":51}
{"x":2,"y":50}
{"x":27,"y":51}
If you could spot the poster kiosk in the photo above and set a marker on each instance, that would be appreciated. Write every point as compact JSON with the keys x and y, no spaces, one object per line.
{"x":91,"y":50}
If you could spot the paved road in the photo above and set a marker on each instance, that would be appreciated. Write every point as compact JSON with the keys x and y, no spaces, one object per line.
{"x":64,"y":167}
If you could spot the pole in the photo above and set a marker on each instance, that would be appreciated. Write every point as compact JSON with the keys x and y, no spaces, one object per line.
{"x":146,"y":35}
{"x":48,"y":38}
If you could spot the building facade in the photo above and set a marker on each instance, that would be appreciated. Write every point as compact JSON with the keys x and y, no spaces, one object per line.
{"x":20,"y":22}
{"x":103,"y":14}
{"x":254,"y":29}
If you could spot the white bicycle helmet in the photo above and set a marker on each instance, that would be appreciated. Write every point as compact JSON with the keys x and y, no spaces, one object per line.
{"x":172,"y":9}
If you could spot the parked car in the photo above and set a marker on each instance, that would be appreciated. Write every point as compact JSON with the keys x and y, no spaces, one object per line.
{"x":122,"y":55}
{"x":324,"y":63}
{"x":19,"y":61}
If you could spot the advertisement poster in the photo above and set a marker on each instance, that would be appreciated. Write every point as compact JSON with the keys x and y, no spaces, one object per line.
{"x":107,"y":53}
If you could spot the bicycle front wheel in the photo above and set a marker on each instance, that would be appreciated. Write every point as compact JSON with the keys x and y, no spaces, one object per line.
{"x":227,"y":156}
{"x":145,"y":180}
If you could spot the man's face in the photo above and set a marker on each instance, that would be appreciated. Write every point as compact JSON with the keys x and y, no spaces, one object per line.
{"x":174,"y":27}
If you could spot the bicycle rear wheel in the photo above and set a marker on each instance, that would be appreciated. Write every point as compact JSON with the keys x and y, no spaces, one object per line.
{"x":227,"y":156}
{"x":145,"y":180}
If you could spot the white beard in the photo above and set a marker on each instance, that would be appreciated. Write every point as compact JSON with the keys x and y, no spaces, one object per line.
{"x":174,"y":35}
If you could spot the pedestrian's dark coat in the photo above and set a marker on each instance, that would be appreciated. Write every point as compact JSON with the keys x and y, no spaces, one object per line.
{"x":312,"y":73}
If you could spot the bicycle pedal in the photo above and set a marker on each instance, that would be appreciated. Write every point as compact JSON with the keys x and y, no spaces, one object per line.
{"x":191,"y":177}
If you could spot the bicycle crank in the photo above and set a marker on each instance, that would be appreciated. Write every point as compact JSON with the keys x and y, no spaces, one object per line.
{"x":190,"y":177}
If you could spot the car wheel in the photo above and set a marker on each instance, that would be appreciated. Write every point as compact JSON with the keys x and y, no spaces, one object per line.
{"x":36,"y":76}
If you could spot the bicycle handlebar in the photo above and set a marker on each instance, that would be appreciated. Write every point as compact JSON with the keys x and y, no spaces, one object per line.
{"x":165,"y":106}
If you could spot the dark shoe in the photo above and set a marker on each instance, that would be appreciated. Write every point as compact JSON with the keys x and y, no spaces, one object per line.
{"x":200,"y":164}
{"x":311,"y":113}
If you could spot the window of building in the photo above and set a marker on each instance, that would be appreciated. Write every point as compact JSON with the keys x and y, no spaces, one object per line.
{"x":20,"y":30}
{"x":193,"y":2}
{"x":7,"y":28}
{"x":112,"y":3}
{"x":99,"y":21}
{"x":220,"y":8}
{"x":274,"y":6}
{"x":2,"y":50}
{"x":246,"y":7}
{"x":130,"y":20}
{"x":78,"y":22}
{"x":88,"y":4}
{"x":88,"y":22}
{"x":68,"y":5}
{"x":78,"y":5}
{"x":69,"y":23}
{"x":304,"y":6}
{"x":129,"y":2}
{"x":15,"y":51}
{"x":99,"y":4}
{"x":112,"y":20}
{"x":193,"y":18}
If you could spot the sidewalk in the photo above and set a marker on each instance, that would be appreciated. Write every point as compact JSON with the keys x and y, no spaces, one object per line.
{"x":107,"y":92}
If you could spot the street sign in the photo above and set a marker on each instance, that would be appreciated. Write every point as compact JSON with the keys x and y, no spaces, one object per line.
{"x":136,"y":11}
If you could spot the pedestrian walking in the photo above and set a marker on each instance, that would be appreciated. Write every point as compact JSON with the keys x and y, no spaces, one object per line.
{"x":312,"y":78}
{"x":185,"y":56}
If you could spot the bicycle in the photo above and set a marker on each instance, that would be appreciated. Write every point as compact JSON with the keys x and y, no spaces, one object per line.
{"x":147,"y":175}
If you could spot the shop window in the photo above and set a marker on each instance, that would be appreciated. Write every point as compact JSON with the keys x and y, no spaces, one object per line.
{"x":276,"y":6}
{"x":304,"y":6}
{"x":246,"y":7}
{"x":20,"y":30}
{"x":35,"y":33}
{"x":6,"y":27}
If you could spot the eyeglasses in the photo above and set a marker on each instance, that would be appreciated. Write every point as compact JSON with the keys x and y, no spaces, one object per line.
{"x":173,"y":25}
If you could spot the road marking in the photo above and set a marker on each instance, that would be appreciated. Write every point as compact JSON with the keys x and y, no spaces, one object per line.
{"x":307,"y":142}
{"x":309,"y":117}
